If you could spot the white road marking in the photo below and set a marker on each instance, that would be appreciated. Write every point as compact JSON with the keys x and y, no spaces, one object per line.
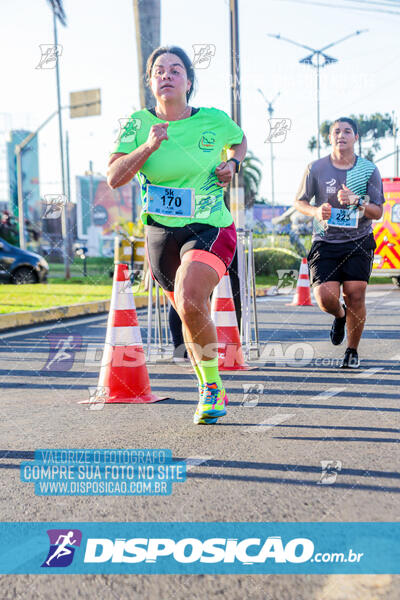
{"x":334,"y":391}
{"x":269,"y":423}
{"x":51,"y":326}
{"x":195,"y":461}
{"x":394,"y":303}
{"x":281,"y":298}
{"x":356,"y":587}
{"x":377,"y":294}
{"x":369,"y":372}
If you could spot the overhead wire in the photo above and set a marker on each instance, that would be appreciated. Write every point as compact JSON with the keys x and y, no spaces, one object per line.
{"x":357,"y":8}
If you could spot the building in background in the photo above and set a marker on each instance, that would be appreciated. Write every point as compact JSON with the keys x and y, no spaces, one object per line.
{"x":30,"y":176}
{"x":99,"y":208}
{"x":261,"y":218}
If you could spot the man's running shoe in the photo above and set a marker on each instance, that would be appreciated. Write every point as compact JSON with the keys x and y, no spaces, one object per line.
{"x":211,"y":405}
{"x":350,"y":360}
{"x":338,"y":329}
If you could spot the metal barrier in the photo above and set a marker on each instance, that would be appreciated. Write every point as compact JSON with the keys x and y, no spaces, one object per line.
{"x":249,"y":335}
{"x":158,"y":342}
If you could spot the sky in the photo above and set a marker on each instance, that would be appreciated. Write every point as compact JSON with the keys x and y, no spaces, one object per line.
{"x":99,"y":51}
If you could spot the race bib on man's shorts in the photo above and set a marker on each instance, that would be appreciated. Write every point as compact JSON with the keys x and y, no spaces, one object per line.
{"x":170,"y":202}
{"x":343,"y":217}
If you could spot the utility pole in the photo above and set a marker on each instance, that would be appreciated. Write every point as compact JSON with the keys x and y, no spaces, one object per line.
{"x":19,"y":152}
{"x":147,"y":17}
{"x":270,"y":109}
{"x":308,"y":60}
{"x":236,"y":191}
{"x":67,"y":205}
{"x":64,"y":228}
{"x":235,"y":65}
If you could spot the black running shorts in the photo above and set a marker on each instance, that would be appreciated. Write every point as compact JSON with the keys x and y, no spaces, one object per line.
{"x":348,"y":261}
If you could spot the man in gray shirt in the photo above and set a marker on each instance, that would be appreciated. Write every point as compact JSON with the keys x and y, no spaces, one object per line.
{"x":348,"y":195}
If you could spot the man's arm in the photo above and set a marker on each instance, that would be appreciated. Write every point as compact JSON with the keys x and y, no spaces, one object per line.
{"x":305,"y":194}
{"x":374,"y":208}
{"x":322,"y":212}
{"x":304,"y":207}
{"x":373,"y":211}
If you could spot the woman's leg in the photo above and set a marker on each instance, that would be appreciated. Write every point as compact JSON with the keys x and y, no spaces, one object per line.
{"x":194,"y":283}
{"x":193,"y":286}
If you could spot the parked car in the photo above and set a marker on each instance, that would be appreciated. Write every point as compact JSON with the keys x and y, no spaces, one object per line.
{"x":21,"y":266}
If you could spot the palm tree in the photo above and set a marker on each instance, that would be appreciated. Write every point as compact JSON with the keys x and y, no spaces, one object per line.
{"x":371,"y":129}
{"x":251,"y":176}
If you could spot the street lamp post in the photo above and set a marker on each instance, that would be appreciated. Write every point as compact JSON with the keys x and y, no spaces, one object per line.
{"x":18,"y":152}
{"x":64,"y":227}
{"x":270,"y":108}
{"x":308,"y":60}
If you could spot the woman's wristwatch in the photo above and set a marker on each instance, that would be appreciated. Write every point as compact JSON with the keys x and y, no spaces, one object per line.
{"x":237,"y":163}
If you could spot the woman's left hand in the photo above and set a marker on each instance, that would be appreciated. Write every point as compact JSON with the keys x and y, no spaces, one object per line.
{"x":224,"y":172}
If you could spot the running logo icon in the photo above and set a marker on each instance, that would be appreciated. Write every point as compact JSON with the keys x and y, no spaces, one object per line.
{"x":278,"y":130}
{"x":53,"y":205}
{"x":330,"y":470}
{"x":287,"y":279}
{"x":251,"y":394}
{"x":63,"y":543}
{"x":203,"y":54}
{"x":128,"y":130}
{"x":331,"y":186}
{"x":50,"y":54}
{"x":62,"y":351}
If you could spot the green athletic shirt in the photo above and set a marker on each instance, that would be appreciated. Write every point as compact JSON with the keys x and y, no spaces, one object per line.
{"x":186,"y":160}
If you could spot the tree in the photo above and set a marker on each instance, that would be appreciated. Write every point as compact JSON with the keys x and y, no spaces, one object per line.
{"x":371,"y":129}
{"x":312,"y":143}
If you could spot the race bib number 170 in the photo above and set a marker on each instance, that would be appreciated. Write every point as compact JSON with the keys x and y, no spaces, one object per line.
{"x":170,"y":202}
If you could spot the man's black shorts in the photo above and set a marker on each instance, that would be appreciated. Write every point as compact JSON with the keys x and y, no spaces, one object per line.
{"x":348,"y":261}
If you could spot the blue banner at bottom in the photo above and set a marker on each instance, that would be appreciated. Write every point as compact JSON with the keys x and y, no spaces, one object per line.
{"x":193,"y":548}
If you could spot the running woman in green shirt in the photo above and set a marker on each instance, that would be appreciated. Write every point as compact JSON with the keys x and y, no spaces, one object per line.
{"x":176,"y":152}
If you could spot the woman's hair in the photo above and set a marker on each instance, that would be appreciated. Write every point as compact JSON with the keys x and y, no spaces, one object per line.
{"x":182,"y":55}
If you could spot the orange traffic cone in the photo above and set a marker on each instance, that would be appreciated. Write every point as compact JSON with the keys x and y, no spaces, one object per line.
{"x":223,"y":314}
{"x":123,"y":371}
{"x":302,"y":296}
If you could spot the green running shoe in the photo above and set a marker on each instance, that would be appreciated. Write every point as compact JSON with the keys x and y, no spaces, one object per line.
{"x":211,"y":406}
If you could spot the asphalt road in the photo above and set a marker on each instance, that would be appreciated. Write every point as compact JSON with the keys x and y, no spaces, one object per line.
{"x":261,"y":462}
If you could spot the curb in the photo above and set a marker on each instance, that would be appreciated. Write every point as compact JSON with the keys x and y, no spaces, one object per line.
{"x":58,"y":313}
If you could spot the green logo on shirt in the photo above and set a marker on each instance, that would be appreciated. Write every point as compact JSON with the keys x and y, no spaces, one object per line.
{"x":207,"y":141}
{"x":129,"y":129}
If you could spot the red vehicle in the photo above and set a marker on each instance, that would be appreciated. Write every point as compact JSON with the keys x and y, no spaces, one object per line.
{"x":387,"y":233}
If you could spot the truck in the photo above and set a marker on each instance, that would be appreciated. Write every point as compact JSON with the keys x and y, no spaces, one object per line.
{"x":387,"y":233}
